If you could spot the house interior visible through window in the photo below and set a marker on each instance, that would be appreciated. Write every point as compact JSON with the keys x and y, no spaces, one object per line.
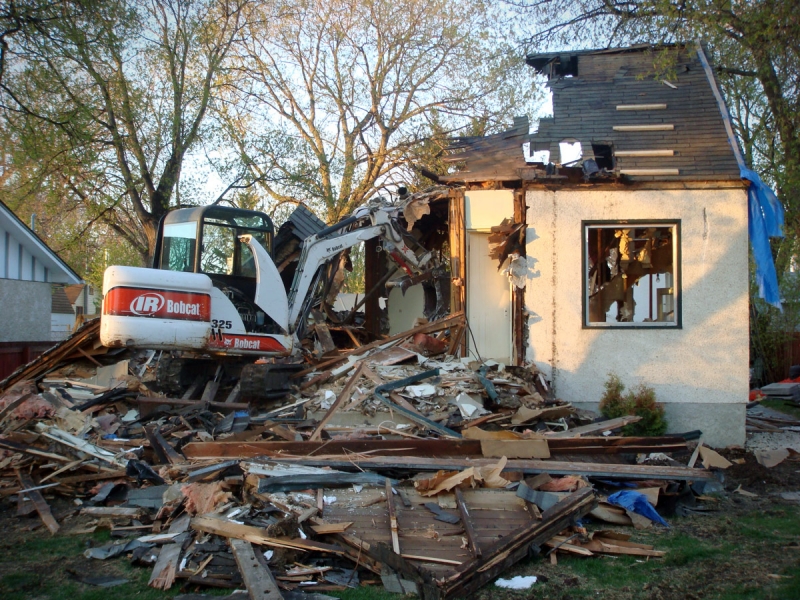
{"x":631,"y":275}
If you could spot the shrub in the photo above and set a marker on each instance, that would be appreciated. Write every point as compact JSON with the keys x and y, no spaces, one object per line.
{"x":640,"y":401}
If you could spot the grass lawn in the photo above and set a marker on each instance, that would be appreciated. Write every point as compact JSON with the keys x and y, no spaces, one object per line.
{"x":746,"y":550}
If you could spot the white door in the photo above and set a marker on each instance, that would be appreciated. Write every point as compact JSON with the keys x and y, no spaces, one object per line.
{"x":488,"y":302}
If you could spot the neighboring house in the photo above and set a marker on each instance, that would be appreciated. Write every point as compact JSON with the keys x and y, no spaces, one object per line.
{"x":28,"y":268}
{"x":62,"y":316}
{"x":82,"y":299}
{"x":626,"y":234}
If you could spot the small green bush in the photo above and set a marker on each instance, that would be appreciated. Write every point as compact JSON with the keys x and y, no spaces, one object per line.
{"x":640,"y":401}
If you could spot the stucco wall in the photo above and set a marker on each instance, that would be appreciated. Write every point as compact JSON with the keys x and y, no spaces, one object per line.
{"x":26,"y":311}
{"x":700,"y":370}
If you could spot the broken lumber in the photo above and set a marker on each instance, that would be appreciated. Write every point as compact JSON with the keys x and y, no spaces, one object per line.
{"x":229,"y":529}
{"x":447,"y":322}
{"x":166,"y":567}
{"x":38,"y":502}
{"x":608,"y":425}
{"x":532,"y":466}
{"x":258,"y":579}
{"x":344,"y":395}
{"x":466,"y":521}
{"x":422,"y":447}
{"x":392,"y":518}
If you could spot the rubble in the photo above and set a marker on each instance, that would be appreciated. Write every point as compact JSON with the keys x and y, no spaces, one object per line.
{"x":393,"y":463}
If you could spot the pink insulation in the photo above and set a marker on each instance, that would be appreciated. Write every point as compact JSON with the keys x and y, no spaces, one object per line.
{"x":34,"y":407}
{"x":202,"y":498}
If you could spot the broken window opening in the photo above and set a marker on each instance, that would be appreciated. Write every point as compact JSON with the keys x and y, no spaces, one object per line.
{"x":603,"y":155}
{"x":570,"y":152}
{"x":631,"y":274}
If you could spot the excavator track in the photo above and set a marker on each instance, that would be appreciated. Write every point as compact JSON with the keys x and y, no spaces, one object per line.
{"x":257,"y":382}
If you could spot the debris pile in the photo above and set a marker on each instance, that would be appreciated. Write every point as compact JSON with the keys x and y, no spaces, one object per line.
{"x":394,"y":463}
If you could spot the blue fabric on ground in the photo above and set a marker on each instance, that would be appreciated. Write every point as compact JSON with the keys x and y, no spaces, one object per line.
{"x":765,"y":221}
{"x":636,"y":502}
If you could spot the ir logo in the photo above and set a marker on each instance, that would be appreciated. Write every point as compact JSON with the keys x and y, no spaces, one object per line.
{"x":147,"y":304}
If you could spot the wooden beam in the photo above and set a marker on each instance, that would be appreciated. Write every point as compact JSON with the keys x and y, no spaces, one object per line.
{"x":258,"y":579}
{"x":423,"y":447}
{"x":38,"y":502}
{"x":553,"y":467}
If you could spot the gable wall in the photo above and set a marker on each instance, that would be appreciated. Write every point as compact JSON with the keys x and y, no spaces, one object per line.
{"x":699,"y":371}
{"x":16,"y":262}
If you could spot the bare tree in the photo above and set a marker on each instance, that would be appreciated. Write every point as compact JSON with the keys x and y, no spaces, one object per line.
{"x":333,"y":94}
{"x":103,"y":100}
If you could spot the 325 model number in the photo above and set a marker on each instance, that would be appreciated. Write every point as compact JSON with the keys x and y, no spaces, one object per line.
{"x":217,"y":324}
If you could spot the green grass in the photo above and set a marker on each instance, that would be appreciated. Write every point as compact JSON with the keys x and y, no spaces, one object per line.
{"x":782,"y":406}
{"x":700,"y":553}
{"x":40,"y":567}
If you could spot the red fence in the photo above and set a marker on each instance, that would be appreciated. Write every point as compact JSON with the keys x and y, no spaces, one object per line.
{"x":15,"y":354}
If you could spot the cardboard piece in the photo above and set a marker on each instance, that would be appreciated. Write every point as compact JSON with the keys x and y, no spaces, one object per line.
{"x":515,"y":448}
{"x":713,"y":459}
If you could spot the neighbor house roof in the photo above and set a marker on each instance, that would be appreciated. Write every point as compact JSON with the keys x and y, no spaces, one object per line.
{"x":57,"y":270}
{"x":73,"y":292}
{"x":651,"y":111}
{"x":61,"y":304}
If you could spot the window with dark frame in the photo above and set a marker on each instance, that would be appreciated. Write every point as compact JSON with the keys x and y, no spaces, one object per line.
{"x":631,"y":274}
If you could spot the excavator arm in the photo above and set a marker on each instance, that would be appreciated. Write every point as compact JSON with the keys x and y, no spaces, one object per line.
{"x":366,"y":224}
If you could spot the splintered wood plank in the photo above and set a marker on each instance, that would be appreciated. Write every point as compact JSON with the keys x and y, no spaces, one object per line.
{"x":255,"y":535}
{"x":166,"y":567}
{"x":38,"y":502}
{"x":466,"y":519}
{"x":260,"y":583}
{"x":392,"y":517}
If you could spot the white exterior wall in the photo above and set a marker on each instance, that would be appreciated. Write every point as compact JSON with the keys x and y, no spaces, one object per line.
{"x":16,"y":261}
{"x":94,"y":301}
{"x":700,"y":371}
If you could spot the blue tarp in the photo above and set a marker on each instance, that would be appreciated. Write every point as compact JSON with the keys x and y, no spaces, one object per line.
{"x":636,"y":502}
{"x":766,"y":221}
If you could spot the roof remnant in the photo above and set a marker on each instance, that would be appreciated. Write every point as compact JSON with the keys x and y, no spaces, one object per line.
{"x":634,"y":117}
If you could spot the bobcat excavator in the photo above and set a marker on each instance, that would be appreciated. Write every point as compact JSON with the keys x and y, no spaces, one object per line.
{"x":215,"y":290}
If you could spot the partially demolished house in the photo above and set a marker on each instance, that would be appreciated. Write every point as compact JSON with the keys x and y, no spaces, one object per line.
{"x":634,"y":259}
{"x":390,"y":457}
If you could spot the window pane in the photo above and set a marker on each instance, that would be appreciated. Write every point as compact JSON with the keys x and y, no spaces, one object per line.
{"x":630,"y":274}
{"x":178,"y":254}
{"x":218,"y":247}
